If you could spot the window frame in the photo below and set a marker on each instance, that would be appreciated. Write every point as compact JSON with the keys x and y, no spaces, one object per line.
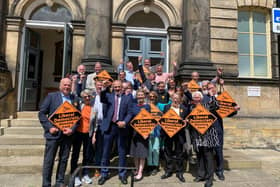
{"x":251,"y":33}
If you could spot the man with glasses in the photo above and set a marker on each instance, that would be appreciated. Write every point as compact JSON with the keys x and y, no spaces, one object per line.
{"x":219,"y":159}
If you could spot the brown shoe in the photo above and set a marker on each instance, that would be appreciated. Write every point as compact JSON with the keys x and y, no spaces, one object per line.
{"x":96,"y":173}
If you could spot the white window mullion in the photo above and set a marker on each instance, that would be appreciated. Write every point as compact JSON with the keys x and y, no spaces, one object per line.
{"x":251,"y":35}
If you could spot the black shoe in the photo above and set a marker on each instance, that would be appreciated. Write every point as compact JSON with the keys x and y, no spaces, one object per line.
{"x":220,"y":176}
{"x":180,"y":177}
{"x":198,"y":179}
{"x":154,"y":171}
{"x":123,"y":180}
{"x":208,"y":183}
{"x":102,"y":180}
{"x":166,"y":175}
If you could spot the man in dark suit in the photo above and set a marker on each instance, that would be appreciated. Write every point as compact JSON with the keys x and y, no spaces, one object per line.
{"x":54,"y":137}
{"x":116,"y":116}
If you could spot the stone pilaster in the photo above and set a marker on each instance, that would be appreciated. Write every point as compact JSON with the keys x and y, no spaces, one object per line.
{"x":175,"y":45}
{"x":3,"y":13}
{"x":78,"y":42}
{"x":196,"y":40}
{"x":98,"y":34}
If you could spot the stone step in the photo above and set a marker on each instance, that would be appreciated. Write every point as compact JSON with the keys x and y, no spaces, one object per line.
{"x":21,"y":122}
{"x":21,"y":150}
{"x":25,"y":130}
{"x":21,"y":165}
{"x":27,"y":114}
{"x":235,"y":159}
{"x":22,"y":140}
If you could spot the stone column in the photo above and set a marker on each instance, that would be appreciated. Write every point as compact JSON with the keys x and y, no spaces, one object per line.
{"x":98,"y":34}
{"x":3,"y":13}
{"x":196,"y":39}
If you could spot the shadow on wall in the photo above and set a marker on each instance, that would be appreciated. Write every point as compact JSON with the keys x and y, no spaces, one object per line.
{"x":7,"y":95}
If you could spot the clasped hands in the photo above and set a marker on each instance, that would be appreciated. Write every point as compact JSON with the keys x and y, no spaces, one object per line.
{"x":66,"y":131}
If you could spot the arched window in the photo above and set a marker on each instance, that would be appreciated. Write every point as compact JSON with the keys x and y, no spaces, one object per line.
{"x":141,"y":19}
{"x":55,"y":13}
{"x":254,"y":49}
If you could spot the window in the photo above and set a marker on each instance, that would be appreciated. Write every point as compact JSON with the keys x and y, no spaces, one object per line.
{"x":254,"y":44}
{"x":56,"y":13}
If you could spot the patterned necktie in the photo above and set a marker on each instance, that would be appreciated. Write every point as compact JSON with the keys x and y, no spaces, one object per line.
{"x":115,"y":116}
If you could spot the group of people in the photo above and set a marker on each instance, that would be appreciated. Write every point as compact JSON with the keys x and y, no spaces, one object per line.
{"x":107,"y":108}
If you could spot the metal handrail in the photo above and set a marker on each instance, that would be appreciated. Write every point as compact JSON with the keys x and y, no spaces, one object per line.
{"x":79,"y":170}
{"x":6,"y":93}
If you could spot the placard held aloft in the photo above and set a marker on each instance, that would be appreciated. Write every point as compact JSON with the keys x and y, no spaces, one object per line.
{"x":226,"y":104}
{"x":193,"y":86}
{"x":171,"y":123}
{"x":104,"y":75}
{"x":65,"y":116}
{"x":201,"y":119}
{"x":143,"y":123}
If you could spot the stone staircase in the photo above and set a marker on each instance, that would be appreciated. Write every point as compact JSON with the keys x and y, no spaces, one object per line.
{"x":22,"y":145}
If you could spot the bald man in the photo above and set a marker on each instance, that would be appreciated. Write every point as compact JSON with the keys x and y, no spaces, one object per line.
{"x":56,"y":138}
{"x":90,"y":84}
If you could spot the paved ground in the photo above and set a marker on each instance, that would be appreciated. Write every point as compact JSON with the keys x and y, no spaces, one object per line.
{"x":267,"y":176}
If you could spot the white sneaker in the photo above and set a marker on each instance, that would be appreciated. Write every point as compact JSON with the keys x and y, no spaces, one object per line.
{"x":78,"y":181}
{"x":86,"y":179}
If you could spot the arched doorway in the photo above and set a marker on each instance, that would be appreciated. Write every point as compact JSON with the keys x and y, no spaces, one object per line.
{"x":46,"y":52}
{"x":146,"y":36}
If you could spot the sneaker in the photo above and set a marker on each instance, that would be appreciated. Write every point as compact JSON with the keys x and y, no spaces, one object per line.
{"x":86,"y":179}
{"x":78,"y":181}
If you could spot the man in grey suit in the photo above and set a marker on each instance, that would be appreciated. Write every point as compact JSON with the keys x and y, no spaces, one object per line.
{"x":56,"y":138}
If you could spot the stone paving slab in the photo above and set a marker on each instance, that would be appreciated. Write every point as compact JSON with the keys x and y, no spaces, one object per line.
{"x":266,"y":176}
{"x":234,"y":178}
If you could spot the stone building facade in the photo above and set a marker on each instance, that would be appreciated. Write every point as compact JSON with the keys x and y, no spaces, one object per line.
{"x":43,"y":40}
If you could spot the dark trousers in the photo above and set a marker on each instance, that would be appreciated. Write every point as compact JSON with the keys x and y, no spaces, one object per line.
{"x":98,"y":148}
{"x":205,"y":163}
{"x":51,"y":148}
{"x":108,"y":137}
{"x":219,"y":153}
{"x":173,"y":157}
{"x":88,"y":153}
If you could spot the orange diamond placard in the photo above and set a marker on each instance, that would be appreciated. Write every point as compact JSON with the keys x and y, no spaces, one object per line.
{"x":143,"y":123}
{"x":201,"y":119}
{"x":226,"y":104}
{"x":193,"y":86}
{"x":65,"y":116}
{"x":104,"y":75}
{"x":171,"y":123}
{"x":156,"y":113}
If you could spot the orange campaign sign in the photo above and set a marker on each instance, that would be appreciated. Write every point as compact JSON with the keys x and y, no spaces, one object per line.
{"x":171,"y":123}
{"x":193,"y":86}
{"x":201,"y":119}
{"x":65,"y":116}
{"x":156,"y":113}
{"x":104,"y":75}
{"x":143,"y":123}
{"x":226,"y":104}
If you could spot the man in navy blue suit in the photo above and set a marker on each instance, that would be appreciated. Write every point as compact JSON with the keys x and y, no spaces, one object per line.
{"x":116,"y":117}
{"x":54,"y":137}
